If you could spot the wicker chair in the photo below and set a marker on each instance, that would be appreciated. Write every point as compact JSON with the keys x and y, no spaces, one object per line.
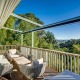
{"x":32,"y":71}
{"x":5,"y":67}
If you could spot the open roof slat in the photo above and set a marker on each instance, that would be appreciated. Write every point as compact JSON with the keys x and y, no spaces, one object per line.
{"x":11,"y":29}
{"x":30,"y":21}
{"x":1,"y":6}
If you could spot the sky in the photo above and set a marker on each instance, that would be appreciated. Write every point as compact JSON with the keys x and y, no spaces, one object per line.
{"x":51,"y":11}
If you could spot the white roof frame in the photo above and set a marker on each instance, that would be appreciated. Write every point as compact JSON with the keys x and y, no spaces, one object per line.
{"x":11,"y":29}
{"x":6,"y":8}
{"x":30,"y":21}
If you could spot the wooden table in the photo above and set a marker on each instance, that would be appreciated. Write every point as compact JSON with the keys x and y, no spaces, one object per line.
{"x":20,"y":60}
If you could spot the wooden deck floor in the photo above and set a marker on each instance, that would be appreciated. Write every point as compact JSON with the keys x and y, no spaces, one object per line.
{"x":17,"y":76}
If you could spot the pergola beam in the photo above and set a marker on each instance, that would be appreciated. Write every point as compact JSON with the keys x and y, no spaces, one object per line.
{"x":64,"y":22}
{"x":11,"y":29}
{"x":19,"y":17}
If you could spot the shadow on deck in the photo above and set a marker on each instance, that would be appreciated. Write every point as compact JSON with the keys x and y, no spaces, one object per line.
{"x":18,"y":76}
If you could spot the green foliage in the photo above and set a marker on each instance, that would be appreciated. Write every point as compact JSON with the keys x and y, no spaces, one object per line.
{"x":49,"y":37}
{"x":76,"y":48}
{"x":72,"y":46}
{"x":42,"y":39}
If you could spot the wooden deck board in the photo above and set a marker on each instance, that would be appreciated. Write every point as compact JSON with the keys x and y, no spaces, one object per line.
{"x":48,"y":71}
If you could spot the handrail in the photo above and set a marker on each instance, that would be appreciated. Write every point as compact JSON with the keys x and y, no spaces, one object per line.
{"x":7,"y":47}
{"x":61,"y":52}
{"x":57,"y":60}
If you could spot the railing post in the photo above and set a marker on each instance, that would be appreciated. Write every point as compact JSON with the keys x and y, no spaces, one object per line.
{"x":75,"y":64}
{"x":5,"y":47}
{"x":30,"y":50}
{"x":78,"y":65}
{"x":55,"y":60}
{"x":68,"y":61}
{"x":52,"y":59}
{"x":59,"y":63}
{"x":71,"y":62}
{"x":48,"y":59}
{"x":46,"y":56}
{"x":62,"y":62}
{"x":65,"y":62}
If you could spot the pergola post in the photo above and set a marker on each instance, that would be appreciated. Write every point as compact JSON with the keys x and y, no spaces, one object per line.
{"x":32,"y":39}
{"x":21,"y":39}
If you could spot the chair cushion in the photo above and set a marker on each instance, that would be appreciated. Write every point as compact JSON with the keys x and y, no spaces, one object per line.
{"x":14,"y":56}
{"x":40,"y":61}
{"x":29,"y":65}
{"x":12,"y":51}
{"x":1,"y":57}
{"x":4,"y":61}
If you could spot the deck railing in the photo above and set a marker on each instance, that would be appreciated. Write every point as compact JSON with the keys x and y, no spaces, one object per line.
{"x":7,"y":47}
{"x":55,"y":59}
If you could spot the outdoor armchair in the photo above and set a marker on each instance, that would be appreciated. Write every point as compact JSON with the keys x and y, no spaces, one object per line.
{"x":5,"y":66}
{"x":33,"y":70}
{"x":12,"y":53}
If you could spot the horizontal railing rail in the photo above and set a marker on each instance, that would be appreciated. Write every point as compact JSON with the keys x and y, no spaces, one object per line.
{"x":7,"y":47}
{"x":55,"y":59}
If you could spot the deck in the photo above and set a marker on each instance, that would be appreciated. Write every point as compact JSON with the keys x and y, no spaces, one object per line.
{"x":15,"y":75}
{"x":55,"y":59}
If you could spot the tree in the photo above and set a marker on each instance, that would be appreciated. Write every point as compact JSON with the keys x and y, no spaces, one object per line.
{"x":49,"y":37}
{"x":42,"y":38}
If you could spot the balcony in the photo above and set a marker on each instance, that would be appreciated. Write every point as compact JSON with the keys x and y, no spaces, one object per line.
{"x":57,"y":61}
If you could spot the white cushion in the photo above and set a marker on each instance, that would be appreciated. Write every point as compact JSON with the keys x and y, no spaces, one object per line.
{"x":14,"y":56}
{"x":29,"y":65}
{"x":40,"y":61}
{"x":1,"y":57}
{"x":4,"y":61}
{"x":12,"y":51}
{"x":36,"y":62}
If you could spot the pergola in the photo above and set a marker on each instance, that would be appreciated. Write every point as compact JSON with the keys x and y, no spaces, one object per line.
{"x":8,"y":6}
{"x":6,"y":9}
